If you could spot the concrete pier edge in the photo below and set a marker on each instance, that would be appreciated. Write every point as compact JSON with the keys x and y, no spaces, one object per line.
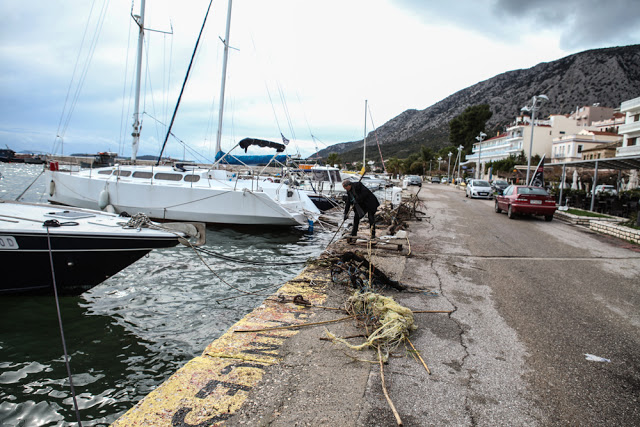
{"x":212,"y":387}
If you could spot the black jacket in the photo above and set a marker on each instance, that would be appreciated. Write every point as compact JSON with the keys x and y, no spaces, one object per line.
{"x":362,"y":197}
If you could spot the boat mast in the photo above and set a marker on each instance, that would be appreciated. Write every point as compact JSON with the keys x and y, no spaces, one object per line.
{"x":136,"y":109}
{"x":364,"y":149}
{"x":224,"y":79}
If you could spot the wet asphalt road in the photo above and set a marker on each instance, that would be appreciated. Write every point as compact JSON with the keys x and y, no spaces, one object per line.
{"x":565,"y":292}
{"x":529,"y":300}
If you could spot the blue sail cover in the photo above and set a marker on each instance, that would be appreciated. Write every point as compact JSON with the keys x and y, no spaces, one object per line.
{"x":249,"y":159}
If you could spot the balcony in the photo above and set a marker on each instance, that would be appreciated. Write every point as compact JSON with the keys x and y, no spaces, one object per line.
{"x":630,"y":105}
{"x":633,"y":150}
{"x":628,"y":128}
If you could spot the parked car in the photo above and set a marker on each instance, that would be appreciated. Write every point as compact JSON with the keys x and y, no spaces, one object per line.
{"x":373,"y":183}
{"x":435,"y":180}
{"x":526,"y":200}
{"x":607,"y":189}
{"x":478,"y":188}
{"x":499,"y":185}
{"x":413,"y":180}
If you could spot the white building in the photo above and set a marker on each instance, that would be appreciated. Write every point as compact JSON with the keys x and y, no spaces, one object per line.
{"x":518,"y":139}
{"x":630,"y":129}
{"x":569,"y":148}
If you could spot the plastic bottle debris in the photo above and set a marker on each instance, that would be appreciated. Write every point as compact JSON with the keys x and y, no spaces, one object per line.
{"x":592,"y":358}
{"x":401,"y":234}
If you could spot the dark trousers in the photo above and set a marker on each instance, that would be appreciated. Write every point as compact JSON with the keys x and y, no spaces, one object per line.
{"x":372,"y":223}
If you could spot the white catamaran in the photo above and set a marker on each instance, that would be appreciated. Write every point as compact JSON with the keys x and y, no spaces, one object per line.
{"x":183,"y":192}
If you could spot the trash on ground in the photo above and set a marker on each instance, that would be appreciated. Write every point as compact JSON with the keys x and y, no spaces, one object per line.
{"x":592,"y":358}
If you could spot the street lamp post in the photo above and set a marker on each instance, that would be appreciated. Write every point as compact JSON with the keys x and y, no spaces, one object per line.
{"x":535,"y":106}
{"x":449,"y":166}
{"x":459,"y":158}
{"x":480,"y":138}
{"x":439,"y":163}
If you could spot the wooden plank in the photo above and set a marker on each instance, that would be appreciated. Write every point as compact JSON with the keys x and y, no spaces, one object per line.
{"x":377,"y":243}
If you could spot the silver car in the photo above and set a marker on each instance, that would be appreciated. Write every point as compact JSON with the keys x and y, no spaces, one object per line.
{"x":479,"y":188}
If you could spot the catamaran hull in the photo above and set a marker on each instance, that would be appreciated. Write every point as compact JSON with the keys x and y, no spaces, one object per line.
{"x":164,"y":201}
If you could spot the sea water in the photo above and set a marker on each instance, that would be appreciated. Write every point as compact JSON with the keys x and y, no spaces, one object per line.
{"x":130,"y":333}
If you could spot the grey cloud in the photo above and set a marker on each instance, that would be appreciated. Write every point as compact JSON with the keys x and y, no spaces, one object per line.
{"x":580,"y":24}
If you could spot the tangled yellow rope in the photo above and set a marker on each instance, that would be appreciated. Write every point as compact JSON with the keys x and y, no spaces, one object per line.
{"x":393,"y":322}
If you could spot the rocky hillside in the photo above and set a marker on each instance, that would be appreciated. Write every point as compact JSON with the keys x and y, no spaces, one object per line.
{"x":606,"y":76}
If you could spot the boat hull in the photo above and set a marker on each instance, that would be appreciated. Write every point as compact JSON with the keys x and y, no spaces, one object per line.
{"x":210,"y":201}
{"x":79,"y":262}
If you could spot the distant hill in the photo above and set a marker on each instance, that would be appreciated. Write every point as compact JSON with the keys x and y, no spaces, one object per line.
{"x":606,"y":76}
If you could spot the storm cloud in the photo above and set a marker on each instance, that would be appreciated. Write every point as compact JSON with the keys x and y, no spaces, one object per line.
{"x":579,"y":25}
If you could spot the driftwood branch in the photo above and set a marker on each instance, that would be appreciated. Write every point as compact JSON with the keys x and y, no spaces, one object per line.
{"x":384,"y":389}
{"x":295,"y":326}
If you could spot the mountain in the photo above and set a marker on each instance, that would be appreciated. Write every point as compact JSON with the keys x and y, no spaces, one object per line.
{"x":606,"y":76}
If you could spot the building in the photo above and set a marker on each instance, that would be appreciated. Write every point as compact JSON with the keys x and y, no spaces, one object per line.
{"x":602,"y":151}
{"x":517,"y":139}
{"x":586,"y":115}
{"x":630,"y":129}
{"x":569,"y":148}
{"x":610,"y":125}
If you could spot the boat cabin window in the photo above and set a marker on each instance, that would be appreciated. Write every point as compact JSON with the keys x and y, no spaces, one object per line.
{"x":122,"y":173}
{"x":140,"y":174}
{"x":168,"y":176}
{"x":104,"y":172}
{"x":192,"y":178}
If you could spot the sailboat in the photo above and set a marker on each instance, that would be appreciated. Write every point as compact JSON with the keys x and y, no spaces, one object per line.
{"x":183,"y":192}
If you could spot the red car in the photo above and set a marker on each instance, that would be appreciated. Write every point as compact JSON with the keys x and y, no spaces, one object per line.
{"x":527,"y":200}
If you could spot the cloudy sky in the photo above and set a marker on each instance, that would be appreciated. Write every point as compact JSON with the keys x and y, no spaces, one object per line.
{"x":299,"y":68}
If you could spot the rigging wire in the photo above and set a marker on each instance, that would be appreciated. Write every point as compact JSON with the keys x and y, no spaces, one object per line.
{"x":288,"y":116}
{"x":384,"y":167}
{"x":285,"y":108}
{"x":184,"y":144}
{"x":67,"y":111}
{"x":273,"y":108}
{"x":85,"y":70}
{"x":186,"y":78}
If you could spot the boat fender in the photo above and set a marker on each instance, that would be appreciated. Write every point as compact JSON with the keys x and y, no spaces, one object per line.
{"x":103,"y":199}
{"x":110,"y":209}
{"x":52,"y":188}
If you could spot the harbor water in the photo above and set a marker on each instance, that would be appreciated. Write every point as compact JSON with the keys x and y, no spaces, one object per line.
{"x":128,"y":334}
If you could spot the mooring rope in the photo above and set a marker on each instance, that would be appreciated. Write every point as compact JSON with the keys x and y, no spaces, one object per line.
{"x":27,"y":189}
{"x":64,"y":343}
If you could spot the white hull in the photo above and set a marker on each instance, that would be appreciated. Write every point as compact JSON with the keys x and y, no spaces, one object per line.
{"x":215,"y":197}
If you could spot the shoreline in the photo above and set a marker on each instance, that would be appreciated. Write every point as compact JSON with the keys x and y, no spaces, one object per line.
{"x":212,"y":387}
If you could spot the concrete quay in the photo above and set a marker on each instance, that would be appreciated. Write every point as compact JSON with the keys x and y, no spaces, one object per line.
{"x":510,"y":351}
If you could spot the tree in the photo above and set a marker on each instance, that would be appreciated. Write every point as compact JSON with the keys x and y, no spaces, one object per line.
{"x":464,"y":128}
{"x":426,"y":155}
{"x":393,"y":166}
{"x":334,"y":159}
{"x":408,"y":166}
